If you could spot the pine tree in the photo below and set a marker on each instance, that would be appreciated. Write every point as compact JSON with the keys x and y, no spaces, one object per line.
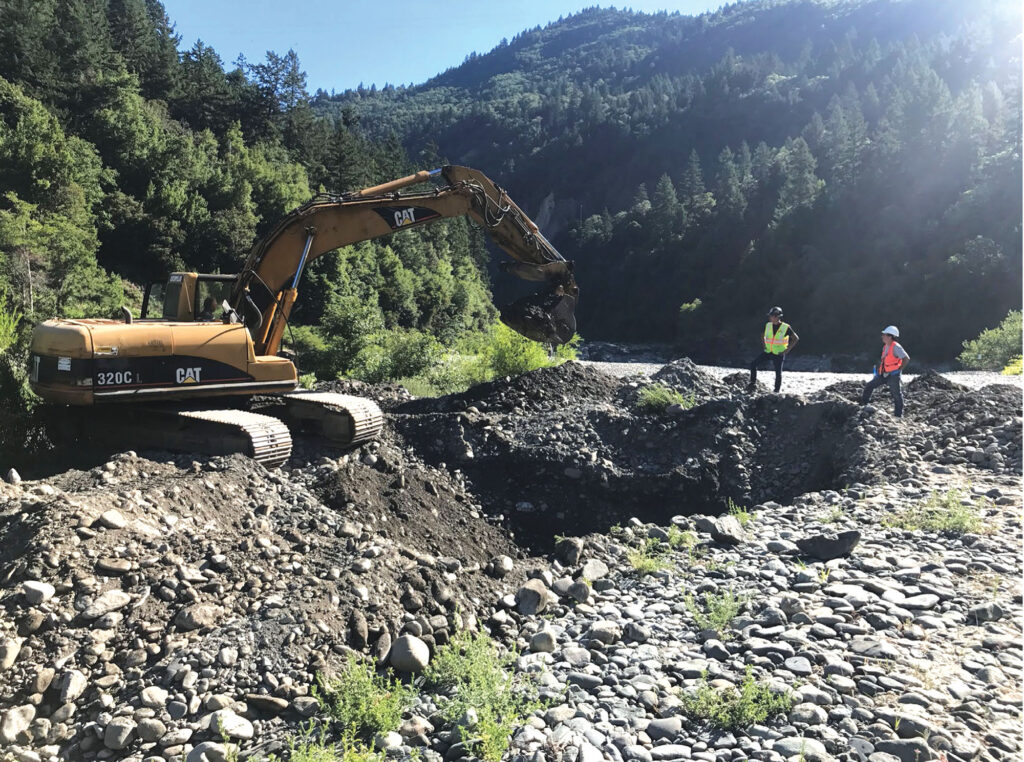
{"x":800,"y":186}
{"x":669,"y":217}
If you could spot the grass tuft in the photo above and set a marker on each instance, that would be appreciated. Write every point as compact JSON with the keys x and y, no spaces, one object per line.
{"x":941,"y":512}
{"x":648,"y":558}
{"x":740,"y":512}
{"x":717,"y":611}
{"x":733,"y":709}
{"x":681,"y":540}
{"x":656,"y":398}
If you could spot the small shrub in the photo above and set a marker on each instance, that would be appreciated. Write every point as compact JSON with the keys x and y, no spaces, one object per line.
{"x":506,"y":353}
{"x":740,"y":512}
{"x":395,"y":354}
{"x":735,"y":709}
{"x":1015,"y":367}
{"x":681,"y":540}
{"x":10,"y":319}
{"x":569,"y":350}
{"x":995,"y":347}
{"x":472,"y":674}
{"x":656,"y":398}
{"x":648,"y":558}
{"x":307,"y":380}
{"x":364,"y":702}
{"x":717,"y":611}
{"x":941,"y":512}
{"x":310,"y":745}
{"x":689,"y":317}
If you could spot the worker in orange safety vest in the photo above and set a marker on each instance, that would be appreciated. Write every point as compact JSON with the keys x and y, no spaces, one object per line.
{"x":778,"y":341}
{"x":889,"y":370}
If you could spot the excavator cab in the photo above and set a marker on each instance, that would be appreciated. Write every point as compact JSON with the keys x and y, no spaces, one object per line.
{"x":188,"y":297}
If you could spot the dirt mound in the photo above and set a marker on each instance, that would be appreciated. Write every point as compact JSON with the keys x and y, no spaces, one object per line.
{"x":739,"y":379}
{"x":847,"y":390}
{"x":930,"y":381}
{"x":420,"y":507}
{"x":683,"y":375}
{"x":156,"y":571}
{"x":545,"y":389}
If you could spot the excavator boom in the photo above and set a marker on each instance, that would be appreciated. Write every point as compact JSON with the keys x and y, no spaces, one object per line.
{"x":275,"y":264}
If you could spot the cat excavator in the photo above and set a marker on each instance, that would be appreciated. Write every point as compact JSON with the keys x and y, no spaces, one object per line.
{"x":180,"y":378}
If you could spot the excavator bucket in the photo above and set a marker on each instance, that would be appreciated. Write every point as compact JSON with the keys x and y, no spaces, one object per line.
{"x":547,"y":317}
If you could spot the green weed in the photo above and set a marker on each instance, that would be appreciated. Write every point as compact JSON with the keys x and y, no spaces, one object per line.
{"x":364,"y":702}
{"x":734,"y":709}
{"x":648,"y":558}
{"x":310,"y":745}
{"x":834,"y":516}
{"x":472,"y":674}
{"x":307,"y":380}
{"x":681,"y":540}
{"x":941,"y":512}
{"x":656,"y":398}
{"x":740,"y":512}
{"x":717,"y":611}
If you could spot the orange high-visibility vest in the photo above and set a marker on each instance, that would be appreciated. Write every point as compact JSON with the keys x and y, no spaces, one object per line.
{"x":776,"y":343}
{"x":890,"y":361}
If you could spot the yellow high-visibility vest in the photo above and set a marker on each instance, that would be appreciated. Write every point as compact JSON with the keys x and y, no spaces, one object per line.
{"x":776,"y":343}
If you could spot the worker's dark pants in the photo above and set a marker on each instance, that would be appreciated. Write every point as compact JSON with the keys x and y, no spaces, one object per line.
{"x":895,"y":388}
{"x":760,"y":360}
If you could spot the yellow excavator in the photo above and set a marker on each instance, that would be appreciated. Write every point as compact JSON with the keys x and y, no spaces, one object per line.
{"x":170,"y":370}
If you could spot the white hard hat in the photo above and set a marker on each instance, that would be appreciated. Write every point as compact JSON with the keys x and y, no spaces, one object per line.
{"x":892,"y":331}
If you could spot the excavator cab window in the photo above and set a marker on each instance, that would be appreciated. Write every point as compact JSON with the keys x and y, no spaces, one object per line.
{"x":211,"y":292}
{"x":172,"y":295}
{"x":160,"y":301}
{"x":153,"y":302}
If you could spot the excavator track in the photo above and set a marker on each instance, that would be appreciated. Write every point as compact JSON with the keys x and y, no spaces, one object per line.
{"x":204,"y":432}
{"x":341,"y":419}
{"x":262,"y":437}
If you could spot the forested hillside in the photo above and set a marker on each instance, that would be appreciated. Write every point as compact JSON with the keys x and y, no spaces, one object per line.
{"x":122,"y":159}
{"x":857,"y":162}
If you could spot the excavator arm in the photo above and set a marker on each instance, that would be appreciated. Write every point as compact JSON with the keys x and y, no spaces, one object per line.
{"x":267,"y":287}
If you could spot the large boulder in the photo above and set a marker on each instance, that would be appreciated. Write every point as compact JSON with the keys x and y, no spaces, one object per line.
{"x":825,"y":547}
{"x":409,"y":654}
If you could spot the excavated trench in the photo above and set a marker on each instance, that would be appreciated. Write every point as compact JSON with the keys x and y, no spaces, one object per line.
{"x":551,"y":473}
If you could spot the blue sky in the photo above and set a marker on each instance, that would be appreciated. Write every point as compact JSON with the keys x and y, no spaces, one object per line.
{"x":344,"y":42}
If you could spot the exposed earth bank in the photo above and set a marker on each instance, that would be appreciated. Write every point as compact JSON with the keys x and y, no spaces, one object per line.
{"x":160,"y":608}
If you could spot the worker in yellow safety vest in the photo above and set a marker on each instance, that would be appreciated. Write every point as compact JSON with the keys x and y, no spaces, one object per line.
{"x":889,"y":370}
{"x":778,"y":341}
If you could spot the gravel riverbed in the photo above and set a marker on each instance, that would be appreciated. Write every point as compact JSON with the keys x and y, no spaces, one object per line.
{"x":637,"y":564}
{"x":804,"y":382}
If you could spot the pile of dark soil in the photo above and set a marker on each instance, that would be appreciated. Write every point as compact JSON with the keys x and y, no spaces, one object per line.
{"x":684,"y":376}
{"x":554,"y":388}
{"x":847,"y":390}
